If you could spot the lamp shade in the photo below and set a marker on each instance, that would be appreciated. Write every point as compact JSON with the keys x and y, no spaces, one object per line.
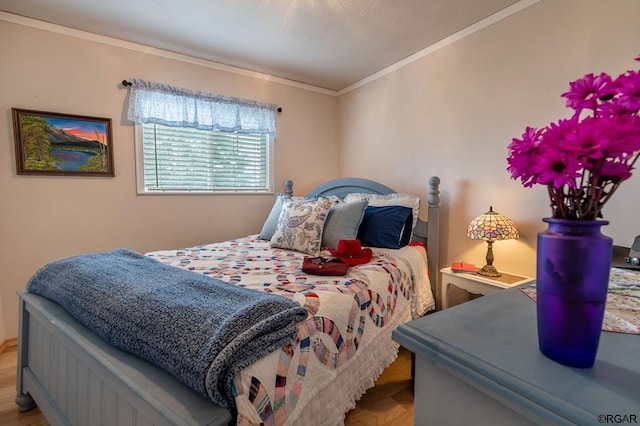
{"x":492,"y":226}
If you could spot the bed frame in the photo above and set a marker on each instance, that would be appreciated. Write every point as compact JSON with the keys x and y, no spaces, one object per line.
{"x":77,"y":378}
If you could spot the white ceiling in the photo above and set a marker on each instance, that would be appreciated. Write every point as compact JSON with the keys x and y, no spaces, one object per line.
{"x":330,"y":44}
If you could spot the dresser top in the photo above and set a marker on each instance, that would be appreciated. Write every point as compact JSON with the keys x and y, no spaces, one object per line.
{"x":492,"y":344}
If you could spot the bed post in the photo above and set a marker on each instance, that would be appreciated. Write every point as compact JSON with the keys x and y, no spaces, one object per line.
{"x":288,"y":188}
{"x":23,"y":400}
{"x":433,"y":234}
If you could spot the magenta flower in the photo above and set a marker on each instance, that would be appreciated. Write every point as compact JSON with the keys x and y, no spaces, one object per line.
{"x":556,"y":168}
{"x":524,"y":153}
{"x":582,"y":160}
{"x":617,"y":172}
{"x":587,"y":91}
{"x":629,"y":86}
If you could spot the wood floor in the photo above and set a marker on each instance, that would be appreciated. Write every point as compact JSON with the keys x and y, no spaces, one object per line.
{"x":390,"y":402}
{"x":9,"y":414}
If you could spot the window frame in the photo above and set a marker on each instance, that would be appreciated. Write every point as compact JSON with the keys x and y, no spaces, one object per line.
{"x":142,"y":190}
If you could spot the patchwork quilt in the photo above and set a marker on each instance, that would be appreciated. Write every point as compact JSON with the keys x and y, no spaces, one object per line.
{"x":343,"y":345}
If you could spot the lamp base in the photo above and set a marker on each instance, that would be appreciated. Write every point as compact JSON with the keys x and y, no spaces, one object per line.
{"x":489,"y":271}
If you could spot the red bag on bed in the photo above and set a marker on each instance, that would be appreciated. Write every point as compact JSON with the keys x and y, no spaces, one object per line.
{"x":323,"y":266}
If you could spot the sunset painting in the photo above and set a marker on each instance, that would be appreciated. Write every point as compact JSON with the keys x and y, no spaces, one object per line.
{"x":51,"y":143}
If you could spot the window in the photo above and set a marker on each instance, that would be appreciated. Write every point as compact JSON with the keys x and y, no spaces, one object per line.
{"x":199,"y":142}
{"x":182,"y":159}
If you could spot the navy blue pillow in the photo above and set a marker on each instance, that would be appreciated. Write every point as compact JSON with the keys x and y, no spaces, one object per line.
{"x":386,"y":227}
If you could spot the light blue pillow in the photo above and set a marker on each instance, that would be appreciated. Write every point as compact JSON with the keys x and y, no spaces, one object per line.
{"x":270,"y":224}
{"x":343,"y":222}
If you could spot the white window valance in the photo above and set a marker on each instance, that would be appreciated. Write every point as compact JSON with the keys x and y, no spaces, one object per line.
{"x":177,"y":107}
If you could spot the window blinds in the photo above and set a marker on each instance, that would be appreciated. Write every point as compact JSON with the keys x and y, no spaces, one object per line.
{"x":183,"y":159}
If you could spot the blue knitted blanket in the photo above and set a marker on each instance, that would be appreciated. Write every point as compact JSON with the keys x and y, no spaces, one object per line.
{"x":199,"y":329}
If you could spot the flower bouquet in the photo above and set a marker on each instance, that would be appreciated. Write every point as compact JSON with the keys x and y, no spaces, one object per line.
{"x":583,"y":159}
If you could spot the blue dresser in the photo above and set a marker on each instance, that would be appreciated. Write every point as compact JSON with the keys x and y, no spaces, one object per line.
{"x":478,"y":364}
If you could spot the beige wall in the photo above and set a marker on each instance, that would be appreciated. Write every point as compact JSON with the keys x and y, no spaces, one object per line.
{"x":453,"y":112}
{"x":45,"y":218}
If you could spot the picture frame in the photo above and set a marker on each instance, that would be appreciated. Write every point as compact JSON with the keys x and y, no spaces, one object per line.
{"x":50,"y":143}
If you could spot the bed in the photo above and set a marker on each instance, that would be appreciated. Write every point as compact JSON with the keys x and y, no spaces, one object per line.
{"x":76,"y":377}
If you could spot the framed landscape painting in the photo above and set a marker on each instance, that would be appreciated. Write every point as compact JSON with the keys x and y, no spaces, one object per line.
{"x":49,"y":143}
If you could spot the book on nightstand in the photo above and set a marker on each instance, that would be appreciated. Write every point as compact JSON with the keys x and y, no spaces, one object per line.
{"x":463,"y":267}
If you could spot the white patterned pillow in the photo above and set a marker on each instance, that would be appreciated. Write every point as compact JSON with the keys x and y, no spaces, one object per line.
{"x":300,"y":225}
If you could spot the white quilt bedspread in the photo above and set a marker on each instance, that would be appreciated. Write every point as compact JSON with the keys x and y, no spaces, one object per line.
{"x":344,"y":344}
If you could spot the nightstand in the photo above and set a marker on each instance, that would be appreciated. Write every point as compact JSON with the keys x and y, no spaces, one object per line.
{"x":478,"y":284}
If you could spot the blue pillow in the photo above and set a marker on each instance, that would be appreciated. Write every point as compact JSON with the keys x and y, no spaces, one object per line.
{"x":342,"y":222}
{"x":270,"y":224}
{"x":386,"y":227}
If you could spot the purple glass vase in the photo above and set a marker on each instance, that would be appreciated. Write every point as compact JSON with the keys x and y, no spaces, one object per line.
{"x":572,"y":277}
